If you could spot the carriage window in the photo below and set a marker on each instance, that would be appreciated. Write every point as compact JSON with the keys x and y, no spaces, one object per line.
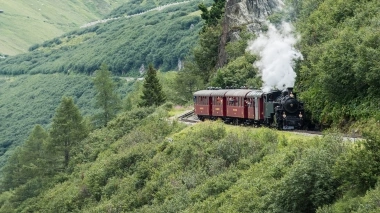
{"x":250,"y":102}
{"x":232,"y":101}
{"x":218,"y":100}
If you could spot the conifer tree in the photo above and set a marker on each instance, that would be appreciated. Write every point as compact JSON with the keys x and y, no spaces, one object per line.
{"x":106,"y":98}
{"x":28,"y":161}
{"x":214,"y":14}
{"x":68,"y":129}
{"x":152,"y":89}
{"x":11,"y":171}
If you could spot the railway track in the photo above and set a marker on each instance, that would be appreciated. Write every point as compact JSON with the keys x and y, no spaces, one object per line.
{"x":191,"y":118}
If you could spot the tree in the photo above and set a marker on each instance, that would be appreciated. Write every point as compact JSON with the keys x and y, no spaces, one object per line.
{"x":106,"y":98}
{"x":206,"y":52}
{"x":68,"y":129}
{"x":28,"y":161}
{"x":152,"y":90}
{"x":187,"y":82}
{"x":359,"y":168}
{"x":309,"y":184}
{"x":215,"y":13}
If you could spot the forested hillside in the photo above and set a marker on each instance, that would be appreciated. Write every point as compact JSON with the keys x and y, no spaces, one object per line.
{"x":162,"y":37}
{"x":30,"y":100}
{"x":144,"y":160}
{"x":142,"y":163}
{"x":339,"y":76}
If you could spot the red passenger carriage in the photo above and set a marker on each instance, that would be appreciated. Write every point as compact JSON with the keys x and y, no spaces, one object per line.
{"x":275,"y":108}
{"x":203,"y":103}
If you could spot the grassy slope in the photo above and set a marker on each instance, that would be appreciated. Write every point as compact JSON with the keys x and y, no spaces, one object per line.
{"x":158,"y":37}
{"x":30,"y":100}
{"x":25,"y":23}
{"x":209,"y":167}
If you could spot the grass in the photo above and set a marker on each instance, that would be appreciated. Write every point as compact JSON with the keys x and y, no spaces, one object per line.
{"x":25,"y":23}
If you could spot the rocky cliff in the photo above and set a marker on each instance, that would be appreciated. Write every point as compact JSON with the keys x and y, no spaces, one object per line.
{"x":249,"y":13}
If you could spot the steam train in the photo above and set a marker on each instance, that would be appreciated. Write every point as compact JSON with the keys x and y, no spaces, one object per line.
{"x":279,"y":109}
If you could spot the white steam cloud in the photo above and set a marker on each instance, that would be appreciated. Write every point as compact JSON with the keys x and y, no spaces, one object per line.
{"x":277,"y":56}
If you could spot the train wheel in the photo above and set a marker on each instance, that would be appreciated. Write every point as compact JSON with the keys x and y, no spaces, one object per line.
{"x":236,"y":122}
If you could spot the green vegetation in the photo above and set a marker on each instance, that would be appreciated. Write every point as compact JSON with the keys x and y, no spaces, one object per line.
{"x":152,"y":94}
{"x":144,"y":161}
{"x":213,"y":15}
{"x":339,"y":76}
{"x":32,"y":99}
{"x":158,"y":37}
{"x":67,"y":130}
{"x":141,"y":162}
{"x":106,"y":97}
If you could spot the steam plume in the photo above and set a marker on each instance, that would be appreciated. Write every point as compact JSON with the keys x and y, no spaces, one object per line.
{"x":277,"y":56}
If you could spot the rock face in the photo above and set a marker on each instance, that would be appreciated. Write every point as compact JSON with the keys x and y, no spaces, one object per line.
{"x":251,"y":13}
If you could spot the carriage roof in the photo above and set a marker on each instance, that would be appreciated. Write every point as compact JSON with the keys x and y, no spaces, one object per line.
{"x":255,"y":94}
{"x":238,"y":92}
{"x":203,"y":93}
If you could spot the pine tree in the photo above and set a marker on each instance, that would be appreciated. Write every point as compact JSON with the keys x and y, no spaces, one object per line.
{"x":106,"y":98}
{"x":213,"y":15}
{"x":68,"y":129}
{"x":152,"y":90}
{"x":11,"y":171}
{"x":28,"y":161}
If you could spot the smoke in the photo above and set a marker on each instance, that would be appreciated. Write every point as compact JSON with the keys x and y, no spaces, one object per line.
{"x":277,"y":55}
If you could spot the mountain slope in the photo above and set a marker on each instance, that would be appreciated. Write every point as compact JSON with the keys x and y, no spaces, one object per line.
{"x":30,"y":100}
{"x":24,"y":22}
{"x":159,"y":37}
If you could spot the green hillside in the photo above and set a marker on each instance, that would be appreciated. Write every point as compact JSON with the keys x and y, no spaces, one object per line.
{"x":24,"y":23}
{"x":160,"y":37}
{"x":32,"y":99}
{"x":143,"y":163}
{"x":339,"y":76}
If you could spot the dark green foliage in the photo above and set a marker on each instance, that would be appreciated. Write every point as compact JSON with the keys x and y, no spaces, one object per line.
{"x":187,"y":82}
{"x":129,"y":120}
{"x":143,"y":162}
{"x":152,"y":89}
{"x":28,"y":161}
{"x":206,"y":53}
{"x":359,"y":169}
{"x":158,"y":37}
{"x":106,"y":97}
{"x":339,"y":77}
{"x":136,"y":6}
{"x":239,"y":72}
{"x":213,"y":15}
{"x":32,"y":99}
{"x":67,"y":130}
{"x":308,"y":185}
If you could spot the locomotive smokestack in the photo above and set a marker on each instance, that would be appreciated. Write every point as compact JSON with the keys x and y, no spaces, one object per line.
{"x":290,"y":90}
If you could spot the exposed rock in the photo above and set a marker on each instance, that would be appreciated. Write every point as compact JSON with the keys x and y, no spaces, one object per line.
{"x":251,"y":13}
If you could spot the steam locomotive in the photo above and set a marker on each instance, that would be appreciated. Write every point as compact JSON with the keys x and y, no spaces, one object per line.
{"x":279,"y":109}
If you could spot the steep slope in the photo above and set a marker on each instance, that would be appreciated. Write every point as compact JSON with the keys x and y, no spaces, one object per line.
{"x":339,"y":76}
{"x":160,"y":37}
{"x":30,"y":100}
{"x":24,"y":22}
